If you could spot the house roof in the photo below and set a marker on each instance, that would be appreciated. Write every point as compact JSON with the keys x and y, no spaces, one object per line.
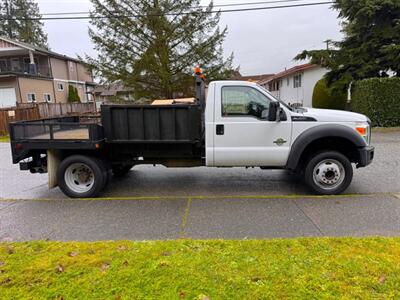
{"x":38,"y":49}
{"x":253,"y":78}
{"x":112,"y":89}
{"x":290,"y":71}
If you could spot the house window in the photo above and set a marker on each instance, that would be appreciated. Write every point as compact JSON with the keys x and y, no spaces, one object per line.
{"x":297,"y":81}
{"x":47,"y":97}
{"x":288,"y":81}
{"x":31,"y":97}
{"x":60,"y":87}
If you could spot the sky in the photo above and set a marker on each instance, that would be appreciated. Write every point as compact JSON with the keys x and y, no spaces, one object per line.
{"x":263,"y":41}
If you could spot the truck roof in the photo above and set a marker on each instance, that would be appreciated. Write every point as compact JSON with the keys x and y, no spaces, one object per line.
{"x":233,"y":82}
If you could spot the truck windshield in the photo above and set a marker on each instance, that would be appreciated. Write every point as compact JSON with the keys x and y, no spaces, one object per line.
{"x":273,"y":97}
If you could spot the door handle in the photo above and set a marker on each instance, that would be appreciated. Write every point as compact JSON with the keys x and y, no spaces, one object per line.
{"x":220,"y":129}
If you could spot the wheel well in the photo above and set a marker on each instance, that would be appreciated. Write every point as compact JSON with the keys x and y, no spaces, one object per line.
{"x":342,"y":145}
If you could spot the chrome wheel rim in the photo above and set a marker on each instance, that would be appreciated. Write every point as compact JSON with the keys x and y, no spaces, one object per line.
{"x":329,"y":174}
{"x":79,"y":178}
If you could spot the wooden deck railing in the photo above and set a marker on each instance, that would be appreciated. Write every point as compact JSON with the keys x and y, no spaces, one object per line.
{"x":28,"y":112}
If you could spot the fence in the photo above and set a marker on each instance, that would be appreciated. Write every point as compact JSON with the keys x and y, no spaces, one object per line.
{"x":27,"y":112}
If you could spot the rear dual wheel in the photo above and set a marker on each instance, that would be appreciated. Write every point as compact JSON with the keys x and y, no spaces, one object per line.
{"x":82,"y":176}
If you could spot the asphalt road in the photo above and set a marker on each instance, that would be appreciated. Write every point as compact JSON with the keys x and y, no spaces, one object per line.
{"x":159,"y":203}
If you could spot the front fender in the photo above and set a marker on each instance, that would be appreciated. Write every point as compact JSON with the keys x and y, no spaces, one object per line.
{"x":318,"y":132}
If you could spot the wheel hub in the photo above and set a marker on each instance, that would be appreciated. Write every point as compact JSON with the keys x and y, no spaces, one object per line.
{"x":79,"y":177}
{"x":84,"y":175}
{"x":329,"y":173}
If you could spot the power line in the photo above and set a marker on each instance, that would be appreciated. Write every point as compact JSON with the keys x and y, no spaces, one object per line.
{"x":201,"y":6}
{"x":170,"y":14}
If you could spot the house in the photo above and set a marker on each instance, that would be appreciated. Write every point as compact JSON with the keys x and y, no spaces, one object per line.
{"x":253,"y":78}
{"x":30,"y":74}
{"x":115,"y":91}
{"x":295,"y":85}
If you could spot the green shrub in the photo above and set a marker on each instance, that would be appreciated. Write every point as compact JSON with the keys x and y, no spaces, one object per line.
{"x":77,"y":98}
{"x":73,"y":95}
{"x":379,"y":99}
{"x":328,"y":97}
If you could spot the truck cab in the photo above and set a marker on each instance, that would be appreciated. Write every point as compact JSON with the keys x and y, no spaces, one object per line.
{"x":247,"y":126}
{"x":240,"y":131}
{"x":238,"y":124}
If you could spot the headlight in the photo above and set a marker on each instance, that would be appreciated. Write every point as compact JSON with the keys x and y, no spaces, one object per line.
{"x":365,"y":131}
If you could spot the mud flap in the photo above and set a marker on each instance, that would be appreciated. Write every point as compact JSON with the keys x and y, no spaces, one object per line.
{"x":53,"y":161}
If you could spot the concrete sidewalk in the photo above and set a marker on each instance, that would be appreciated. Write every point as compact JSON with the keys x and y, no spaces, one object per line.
{"x":199,"y":218}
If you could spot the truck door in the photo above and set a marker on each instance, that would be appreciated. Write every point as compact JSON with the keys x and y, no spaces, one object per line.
{"x":242,"y":135}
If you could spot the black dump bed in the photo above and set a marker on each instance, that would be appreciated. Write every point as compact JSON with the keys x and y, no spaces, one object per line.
{"x":178,"y":123}
{"x":154,"y":130}
{"x":56,"y":133}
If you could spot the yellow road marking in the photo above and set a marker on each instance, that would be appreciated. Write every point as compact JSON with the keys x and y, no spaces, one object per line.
{"x":233,"y":197}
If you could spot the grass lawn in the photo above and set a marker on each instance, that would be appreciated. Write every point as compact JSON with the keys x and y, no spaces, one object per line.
{"x":297,"y":268}
{"x":385,"y":129}
{"x":4,"y":139}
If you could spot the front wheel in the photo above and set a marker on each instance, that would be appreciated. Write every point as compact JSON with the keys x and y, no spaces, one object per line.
{"x":328,"y":173}
{"x":81,"y":176}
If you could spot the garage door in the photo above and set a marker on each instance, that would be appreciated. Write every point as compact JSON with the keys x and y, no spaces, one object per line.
{"x":7,"y":97}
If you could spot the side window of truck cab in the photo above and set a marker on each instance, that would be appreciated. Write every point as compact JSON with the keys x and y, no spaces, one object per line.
{"x":244,"y":101}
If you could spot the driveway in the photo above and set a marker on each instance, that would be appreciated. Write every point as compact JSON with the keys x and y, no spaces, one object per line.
{"x":159,"y":203}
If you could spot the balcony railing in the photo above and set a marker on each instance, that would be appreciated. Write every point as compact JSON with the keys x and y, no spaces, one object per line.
{"x":23,"y":68}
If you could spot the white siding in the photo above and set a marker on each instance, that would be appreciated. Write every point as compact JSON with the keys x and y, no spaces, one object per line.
{"x":290,"y":94}
{"x":311,"y":78}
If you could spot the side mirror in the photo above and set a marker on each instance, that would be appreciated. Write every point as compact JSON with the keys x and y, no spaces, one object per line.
{"x":273,"y":111}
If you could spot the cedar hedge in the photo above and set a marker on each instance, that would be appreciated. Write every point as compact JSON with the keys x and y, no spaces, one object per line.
{"x":379,"y":99}
{"x":328,"y":97}
{"x":73,"y":95}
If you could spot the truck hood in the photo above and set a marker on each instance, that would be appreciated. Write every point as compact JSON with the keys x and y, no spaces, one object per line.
{"x":329,"y":115}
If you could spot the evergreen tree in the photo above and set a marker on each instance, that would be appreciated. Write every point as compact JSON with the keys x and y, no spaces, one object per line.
{"x":371,"y":46}
{"x":15,"y":27}
{"x":76,"y":95}
{"x":153,"y":46}
{"x":73,"y":95}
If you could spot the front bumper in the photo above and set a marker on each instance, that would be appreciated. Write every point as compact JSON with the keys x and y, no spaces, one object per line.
{"x":366,"y":155}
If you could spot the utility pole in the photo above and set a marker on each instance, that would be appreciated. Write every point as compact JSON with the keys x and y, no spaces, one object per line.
{"x":327,"y":44}
{"x":8,"y":11}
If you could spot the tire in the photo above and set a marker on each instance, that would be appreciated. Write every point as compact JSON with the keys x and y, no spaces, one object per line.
{"x":328,"y":173}
{"x":81,"y":176}
{"x":106,"y":171}
{"x":121,"y":170}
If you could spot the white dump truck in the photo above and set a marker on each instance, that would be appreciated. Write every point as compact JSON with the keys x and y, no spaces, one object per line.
{"x":238,"y":124}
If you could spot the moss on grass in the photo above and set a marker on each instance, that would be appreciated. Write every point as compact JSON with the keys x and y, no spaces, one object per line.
{"x":4,"y":139}
{"x":385,"y":129}
{"x":299,"y":268}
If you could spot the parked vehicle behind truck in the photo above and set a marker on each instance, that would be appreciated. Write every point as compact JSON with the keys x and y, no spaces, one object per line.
{"x":239,"y":125}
